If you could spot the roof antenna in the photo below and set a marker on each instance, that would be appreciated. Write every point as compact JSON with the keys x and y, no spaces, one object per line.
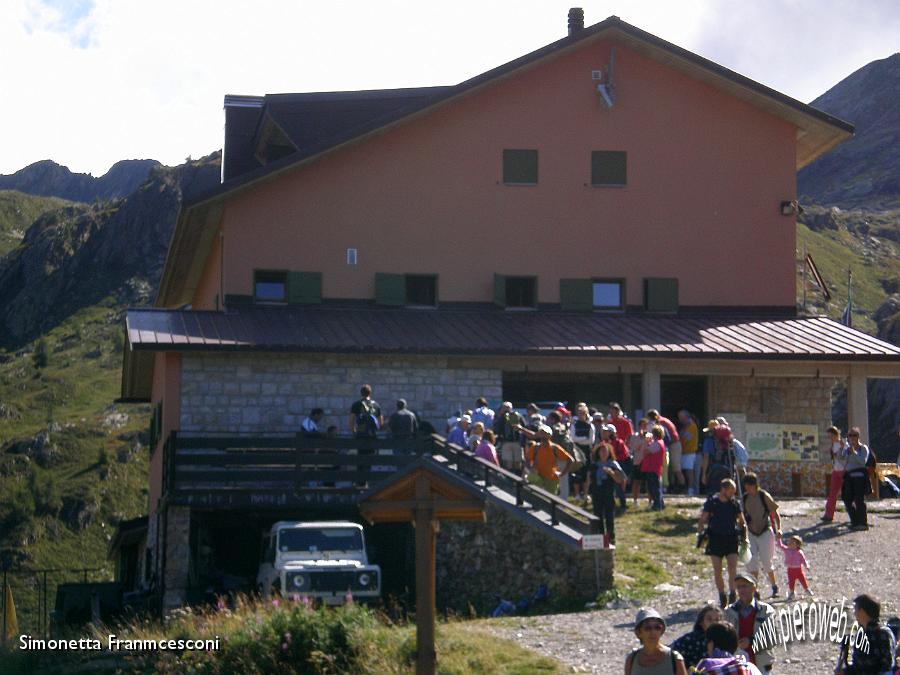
{"x":605,"y":88}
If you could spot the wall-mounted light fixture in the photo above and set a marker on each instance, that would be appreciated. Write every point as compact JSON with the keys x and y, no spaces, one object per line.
{"x":791,"y":208}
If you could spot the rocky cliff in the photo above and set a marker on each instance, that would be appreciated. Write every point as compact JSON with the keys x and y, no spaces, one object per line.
{"x":49,"y":179}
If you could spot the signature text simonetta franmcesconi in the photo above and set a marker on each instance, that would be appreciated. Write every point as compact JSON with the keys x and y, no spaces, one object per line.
{"x":115,"y":643}
{"x":810,"y":621}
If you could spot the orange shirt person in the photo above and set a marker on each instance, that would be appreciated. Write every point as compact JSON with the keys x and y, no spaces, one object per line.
{"x":542,"y":457}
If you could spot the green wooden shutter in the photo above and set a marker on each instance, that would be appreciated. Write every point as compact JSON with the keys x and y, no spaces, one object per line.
{"x":609,"y":167}
{"x":304,"y":288}
{"x":576,"y":295}
{"x":500,"y":290}
{"x":660,"y":295}
{"x":520,"y":167}
{"x":390,"y":289}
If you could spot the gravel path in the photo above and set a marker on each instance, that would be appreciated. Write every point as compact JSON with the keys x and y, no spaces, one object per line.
{"x":843,"y":564}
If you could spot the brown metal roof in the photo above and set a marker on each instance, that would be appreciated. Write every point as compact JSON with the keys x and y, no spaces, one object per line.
{"x":486,"y":330}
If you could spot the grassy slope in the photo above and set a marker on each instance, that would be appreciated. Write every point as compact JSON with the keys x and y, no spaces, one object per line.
{"x":19,"y":210}
{"x":875,"y":263}
{"x":75,"y":391}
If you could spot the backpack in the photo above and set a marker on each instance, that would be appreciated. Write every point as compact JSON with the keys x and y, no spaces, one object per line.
{"x":767,"y":515}
{"x":366,"y":422}
{"x":673,"y":655}
{"x":560,"y":436}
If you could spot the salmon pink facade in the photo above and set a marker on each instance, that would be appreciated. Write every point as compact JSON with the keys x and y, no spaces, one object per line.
{"x":706,"y":173}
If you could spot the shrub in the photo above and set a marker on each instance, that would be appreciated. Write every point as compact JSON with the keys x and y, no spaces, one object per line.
{"x":39,"y":358}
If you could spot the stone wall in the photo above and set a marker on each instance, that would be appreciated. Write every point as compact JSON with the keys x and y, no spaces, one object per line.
{"x":797,"y":400}
{"x":274,"y":392}
{"x":178,"y":556}
{"x":505,"y":557}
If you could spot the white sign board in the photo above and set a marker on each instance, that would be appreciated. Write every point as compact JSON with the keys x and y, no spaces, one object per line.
{"x":591,"y":542}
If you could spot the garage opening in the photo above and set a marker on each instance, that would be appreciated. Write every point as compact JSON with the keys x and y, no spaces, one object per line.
{"x":684,"y":392}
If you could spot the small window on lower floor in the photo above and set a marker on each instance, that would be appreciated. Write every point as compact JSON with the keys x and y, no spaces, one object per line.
{"x":609,"y":168}
{"x":421,"y":290}
{"x":269,"y":286}
{"x":521,"y":292}
{"x":608,"y":294}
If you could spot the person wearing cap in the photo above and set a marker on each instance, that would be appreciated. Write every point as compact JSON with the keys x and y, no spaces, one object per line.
{"x":506,"y":428}
{"x":609,"y":434}
{"x":403,"y":423}
{"x":459,"y":435}
{"x":543,"y":459}
{"x":723,"y":516}
{"x":618,"y":419}
{"x":652,"y":657}
{"x":748,"y":615}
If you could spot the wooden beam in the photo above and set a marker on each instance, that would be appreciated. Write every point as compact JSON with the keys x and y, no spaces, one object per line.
{"x":425,"y":580}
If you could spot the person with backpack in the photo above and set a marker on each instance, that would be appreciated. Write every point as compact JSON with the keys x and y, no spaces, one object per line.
{"x":365,"y":415}
{"x":876,"y":656}
{"x":856,"y":480}
{"x":542,"y":459}
{"x":506,"y":427}
{"x":724,"y":518}
{"x":722,"y":653}
{"x":652,"y":467}
{"x":763,"y":524}
{"x":652,"y":657}
{"x":608,"y":434}
{"x":560,"y":436}
{"x":581,"y":434}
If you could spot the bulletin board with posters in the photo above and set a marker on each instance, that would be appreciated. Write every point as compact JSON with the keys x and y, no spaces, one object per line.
{"x":782,"y":442}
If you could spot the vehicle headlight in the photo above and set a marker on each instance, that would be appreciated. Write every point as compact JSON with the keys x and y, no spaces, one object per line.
{"x":364,"y":579}
{"x":299,"y":581}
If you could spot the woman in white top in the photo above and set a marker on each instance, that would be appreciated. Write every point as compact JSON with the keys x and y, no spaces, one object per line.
{"x":839,"y":463}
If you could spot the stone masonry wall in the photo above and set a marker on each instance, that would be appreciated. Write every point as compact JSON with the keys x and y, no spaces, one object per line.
{"x":274,"y":392}
{"x":796,"y":400}
{"x":476,"y":562}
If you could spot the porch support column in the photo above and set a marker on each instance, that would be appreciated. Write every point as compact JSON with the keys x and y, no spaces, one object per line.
{"x":650,"y":387}
{"x":857,"y":402}
{"x":177,"y":556}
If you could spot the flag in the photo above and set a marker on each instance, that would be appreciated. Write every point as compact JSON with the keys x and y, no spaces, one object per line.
{"x":847,"y":316}
{"x":9,"y":618}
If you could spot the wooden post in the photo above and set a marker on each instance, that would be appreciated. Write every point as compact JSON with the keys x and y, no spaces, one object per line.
{"x":425,"y":580}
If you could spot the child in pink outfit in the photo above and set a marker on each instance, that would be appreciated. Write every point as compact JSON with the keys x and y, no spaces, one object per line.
{"x":795,"y":561}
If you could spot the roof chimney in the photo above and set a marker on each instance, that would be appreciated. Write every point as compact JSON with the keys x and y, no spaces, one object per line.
{"x":576,"y":20}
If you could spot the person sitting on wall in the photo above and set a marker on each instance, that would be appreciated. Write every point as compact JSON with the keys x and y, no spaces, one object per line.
{"x":542,"y":459}
{"x":475,"y":435}
{"x":310,"y":424}
{"x":459,"y":435}
{"x":722,"y":514}
{"x":486,"y":449}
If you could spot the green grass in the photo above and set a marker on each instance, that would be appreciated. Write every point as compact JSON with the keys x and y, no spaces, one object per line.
{"x":74,"y":393}
{"x":18,"y":211}
{"x":257,"y":637}
{"x":651,"y":544}
{"x":876,"y":267}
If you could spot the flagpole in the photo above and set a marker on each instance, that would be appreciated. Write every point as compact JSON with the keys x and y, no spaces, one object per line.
{"x":804,"y":264}
{"x":850,"y":297}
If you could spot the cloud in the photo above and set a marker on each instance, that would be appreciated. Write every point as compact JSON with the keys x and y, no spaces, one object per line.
{"x":90,"y":83}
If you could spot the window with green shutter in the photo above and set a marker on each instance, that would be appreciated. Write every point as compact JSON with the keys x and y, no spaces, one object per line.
{"x":609,"y":168}
{"x":390,"y":289}
{"x":660,"y":294}
{"x":304,"y":288}
{"x":575,"y":295}
{"x":520,"y":167}
{"x":608,"y":294}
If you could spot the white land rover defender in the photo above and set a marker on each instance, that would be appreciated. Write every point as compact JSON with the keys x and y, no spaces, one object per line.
{"x":319,"y":560}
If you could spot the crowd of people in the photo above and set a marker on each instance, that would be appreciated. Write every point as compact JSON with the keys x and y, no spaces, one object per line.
{"x":721,"y":641}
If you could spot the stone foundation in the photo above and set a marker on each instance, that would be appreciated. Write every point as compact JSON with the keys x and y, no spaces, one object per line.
{"x":476,"y":562}
{"x":795,"y":400}
{"x":274,"y":392}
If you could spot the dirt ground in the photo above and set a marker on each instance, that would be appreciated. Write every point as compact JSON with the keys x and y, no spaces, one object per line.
{"x":843,"y":564}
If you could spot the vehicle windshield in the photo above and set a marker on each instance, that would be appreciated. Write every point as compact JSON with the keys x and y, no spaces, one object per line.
{"x":312,"y":540}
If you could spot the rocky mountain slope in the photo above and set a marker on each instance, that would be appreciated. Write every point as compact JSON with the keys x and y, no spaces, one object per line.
{"x":73,"y":257}
{"x":863,"y":172}
{"x":49,"y":179}
{"x":18,"y":211}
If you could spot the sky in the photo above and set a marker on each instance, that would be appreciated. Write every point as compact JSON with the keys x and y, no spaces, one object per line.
{"x":89,"y":82}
